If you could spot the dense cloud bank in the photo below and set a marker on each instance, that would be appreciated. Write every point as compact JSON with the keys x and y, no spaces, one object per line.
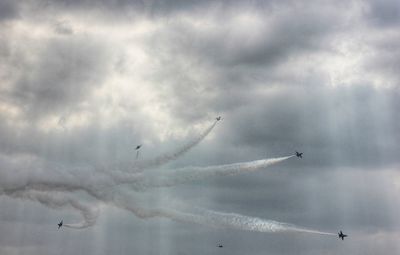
{"x":83,"y":82}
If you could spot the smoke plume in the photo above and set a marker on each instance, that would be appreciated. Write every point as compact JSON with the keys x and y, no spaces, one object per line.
{"x":59,"y":187}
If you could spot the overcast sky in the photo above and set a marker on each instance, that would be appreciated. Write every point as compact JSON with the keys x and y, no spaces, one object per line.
{"x":83,"y":82}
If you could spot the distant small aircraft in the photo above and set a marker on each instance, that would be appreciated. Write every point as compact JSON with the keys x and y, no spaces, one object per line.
{"x":299,"y":154}
{"x":137,"y":150}
{"x":220,"y":246}
{"x":341,"y":235}
{"x":218,"y":118}
{"x":60,"y":224}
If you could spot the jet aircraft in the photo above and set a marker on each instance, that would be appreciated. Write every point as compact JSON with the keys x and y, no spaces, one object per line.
{"x":138,"y":147}
{"x":60,"y":224}
{"x":341,"y":235}
{"x":299,"y":154}
{"x":218,"y":118}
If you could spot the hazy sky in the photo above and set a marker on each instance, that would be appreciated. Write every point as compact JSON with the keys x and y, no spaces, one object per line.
{"x":83,"y":82}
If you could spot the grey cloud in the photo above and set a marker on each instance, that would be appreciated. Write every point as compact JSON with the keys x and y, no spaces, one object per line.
{"x":348,"y":133}
{"x":333,"y":126}
{"x":64,"y":71}
{"x":313,"y":197}
{"x":81,"y":146}
{"x":120,"y":9}
{"x":8,"y":10}
{"x":63,"y":27}
{"x":303,"y":34}
{"x":329,"y":124}
{"x":384,"y":59}
{"x":203,"y":65}
{"x":278,"y":36}
{"x":383,"y":13}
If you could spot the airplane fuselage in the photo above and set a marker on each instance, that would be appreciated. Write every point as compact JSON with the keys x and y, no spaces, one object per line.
{"x":341,"y":235}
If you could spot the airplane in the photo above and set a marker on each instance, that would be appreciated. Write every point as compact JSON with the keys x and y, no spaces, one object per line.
{"x":138,"y":147}
{"x":341,"y":235}
{"x":220,"y":246}
{"x":218,"y":118}
{"x":299,"y":154}
{"x":60,"y":224}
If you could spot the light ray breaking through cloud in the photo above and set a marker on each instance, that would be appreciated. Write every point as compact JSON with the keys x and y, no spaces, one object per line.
{"x":55,"y":188}
{"x":84,"y":82}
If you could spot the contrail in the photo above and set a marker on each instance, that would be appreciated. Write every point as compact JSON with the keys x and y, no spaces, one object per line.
{"x":189,"y":174}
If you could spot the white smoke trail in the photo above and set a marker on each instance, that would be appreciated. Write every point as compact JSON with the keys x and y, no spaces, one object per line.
{"x":241,"y":222}
{"x":88,"y":180}
{"x":56,"y":200}
{"x":189,"y":174}
{"x":30,"y":173}
{"x":105,"y":190}
{"x":208,"y":218}
{"x":168,"y":157}
{"x":89,"y":214}
{"x":54,"y":186}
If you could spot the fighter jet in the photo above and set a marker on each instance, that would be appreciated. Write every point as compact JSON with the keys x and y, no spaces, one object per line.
{"x":218,"y":118}
{"x":60,"y":224}
{"x":341,"y":235}
{"x":137,"y":150}
{"x":299,"y":154}
{"x":220,"y":246}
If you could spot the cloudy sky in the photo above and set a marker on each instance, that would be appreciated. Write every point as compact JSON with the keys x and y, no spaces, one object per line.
{"x":83,"y":82}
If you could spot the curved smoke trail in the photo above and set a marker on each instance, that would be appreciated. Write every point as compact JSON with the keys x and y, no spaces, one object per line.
{"x":105,"y":191}
{"x":168,"y":157}
{"x":56,"y":187}
{"x":57,"y":201}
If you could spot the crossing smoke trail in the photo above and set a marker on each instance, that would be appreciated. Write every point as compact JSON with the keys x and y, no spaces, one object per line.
{"x":125,"y":201}
{"x":104,"y":189}
{"x":57,"y":187}
{"x":94,"y":183}
{"x":42,"y":191}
